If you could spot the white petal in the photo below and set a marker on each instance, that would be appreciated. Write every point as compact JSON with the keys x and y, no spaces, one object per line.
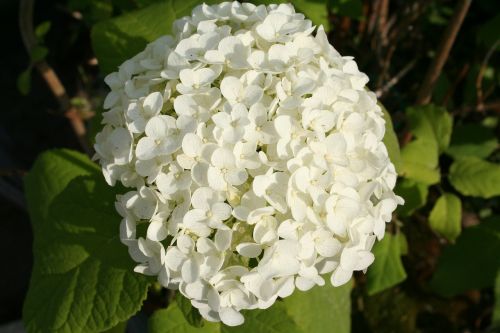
{"x":231,"y":317}
{"x":236,"y":176}
{"x":174,"y":258}
{"x":366,"y":258}
{"x":202,"y":198}
{"x":157,"y":231}
{"x":249,"y":250}
{"x":230,"y":88}
{"x":221,"y":211}
{"x":190,"y":271}
{"x":253,"y":94}
{"x":223,"y":239}
{"x":216,"y":179}
{"x":153,"y":103}
{"x":327,"y":246}
{"x":340,"y":277}
{"x":191,"y":144}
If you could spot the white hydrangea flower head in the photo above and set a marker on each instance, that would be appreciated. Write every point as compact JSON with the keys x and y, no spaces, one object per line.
{"x":254,"y":155}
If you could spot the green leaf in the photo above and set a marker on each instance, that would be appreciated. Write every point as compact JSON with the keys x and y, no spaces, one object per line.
{"x":432,"y":124}
{"x":120,"y":38}
{"x":387,"y":269}
{"x":403,"y":243}
{"x":420,"y":162}
{"x":299,"y":313}
{"x":391,"y":140}
{"x":41,"y":30}
{"x":272,"y":320}
{"x":171,"y":320}
{"x":310,"y":309}
{"x":414,"y":193}
{"x":472,"y":140}
{"x":120,"y":328}
{"x":190,"y":313}
{"x":391,"y":311}
{"x":472,"y":262}
{"x":475,"y":177}
{"x":38,"y":53}
{"x":446,"y":216}
{"x":82,"y":279}
{"x":99,"y":10}
{"x":316,"y":11}
{"x":488,"y":32}
{"x":24,"y":81}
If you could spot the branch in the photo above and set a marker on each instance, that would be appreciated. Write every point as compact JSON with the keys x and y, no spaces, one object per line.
{"x":50,"y":76}
{"x":392,"y":82}
{"x":449,"y":36}
{"x":490,"y":106}
{"x":451,"y":90}
{"x":382,"y":21}
{"x":479,"y":80}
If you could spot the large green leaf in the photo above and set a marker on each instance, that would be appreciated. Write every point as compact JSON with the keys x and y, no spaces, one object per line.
{"x":171,"y":320}
{"x":431,"y":126}
{"x":272,"y":320}
{"x":414,"y":193}
{"x":190,"y":313}
{"x":391,"y":140}
{"x":387,"y":269}
{"x":472,"y":140}
{"x":420,"y":162}
{"x":431,"y":123}
{"x":322,"y":309}
{"x":475,"y":177}
{"x":82,"y":279}
{"x":316,"y":11}
{"x":276,"y":319}
{"x":120,"y":38}
{"x":472,"y":262}
{"x":446,"y":216}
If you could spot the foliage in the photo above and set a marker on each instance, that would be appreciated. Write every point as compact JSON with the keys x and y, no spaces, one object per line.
{"x":470,"y":263}
{"x":82,"y":280}
{"x":446,"y":154}
{"x":387,"y":270}
{"x":300,"y":313}
{"x":446,"y":216}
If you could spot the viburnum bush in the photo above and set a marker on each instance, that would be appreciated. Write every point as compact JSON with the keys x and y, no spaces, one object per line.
{"x":243,"y":172}
{"x":253,"y":157}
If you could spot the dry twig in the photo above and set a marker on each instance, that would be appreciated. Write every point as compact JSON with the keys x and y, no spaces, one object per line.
{"x":392,"y":82}
{"x":479,"y":79}
{"x":455,"y":84}
{"x":49,"y":75}
{"x":434,"y":71}
{"x":382,"y":21}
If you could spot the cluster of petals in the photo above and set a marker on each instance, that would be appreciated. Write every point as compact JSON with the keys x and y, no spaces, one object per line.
{"x":253,"y":158}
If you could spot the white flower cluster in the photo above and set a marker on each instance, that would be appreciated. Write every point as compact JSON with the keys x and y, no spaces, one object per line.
{"x":256,"y":158}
